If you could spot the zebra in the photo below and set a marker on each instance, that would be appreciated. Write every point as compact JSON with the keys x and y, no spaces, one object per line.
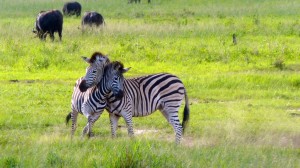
{"x":143,"y":96}
{"x":91,"y":103}
{"x":97,"y":61}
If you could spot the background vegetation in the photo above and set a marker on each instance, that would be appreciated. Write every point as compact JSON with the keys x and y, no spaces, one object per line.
{"x":244,"y":98}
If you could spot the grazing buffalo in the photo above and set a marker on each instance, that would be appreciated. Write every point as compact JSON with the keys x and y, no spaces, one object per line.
{"x":137,"y":1}
{"x":92,"y":18}
{"x":72,"y":8}
{"x":48,"y":22}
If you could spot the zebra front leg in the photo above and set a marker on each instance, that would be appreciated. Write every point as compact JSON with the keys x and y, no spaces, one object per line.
{"x":113,"y":123}
{"x":128,"y":119}
{"x":88,"y":128}
{"x":85,"y":130}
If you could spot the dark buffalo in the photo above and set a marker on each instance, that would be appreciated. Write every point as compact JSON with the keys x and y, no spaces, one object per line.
{"x":137,"y":1}
{"x":72,"y":8}
{"x":92,"y":18}
{"x":48,"y":22}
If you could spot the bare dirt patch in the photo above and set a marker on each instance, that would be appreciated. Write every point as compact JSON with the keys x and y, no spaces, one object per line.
{"x":161,"y":135}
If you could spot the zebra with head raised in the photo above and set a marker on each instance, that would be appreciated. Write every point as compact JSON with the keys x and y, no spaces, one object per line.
{"x":146,"y":94}
{"x":92,"y":102}
{"x":97,"y":62}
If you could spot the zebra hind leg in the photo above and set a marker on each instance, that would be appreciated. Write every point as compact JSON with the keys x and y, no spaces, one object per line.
{"x":173,"y":119}
{"x":74,"y":115}
{"x":113,"y":123}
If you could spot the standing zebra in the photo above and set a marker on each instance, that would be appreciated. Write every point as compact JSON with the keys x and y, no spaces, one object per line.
{"x":92,"y":102}
{"x":97,"y":62}
{"x":144,"y":95}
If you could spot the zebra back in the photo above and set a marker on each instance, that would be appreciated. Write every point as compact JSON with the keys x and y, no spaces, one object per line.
{"x":148,"y":93}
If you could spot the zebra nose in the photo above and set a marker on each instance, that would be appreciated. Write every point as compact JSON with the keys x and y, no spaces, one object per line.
{"x":119,"y":94}
{"x":82,"y":86}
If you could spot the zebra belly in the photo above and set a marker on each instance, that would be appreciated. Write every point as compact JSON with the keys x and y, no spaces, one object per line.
{"x":142,"y":114}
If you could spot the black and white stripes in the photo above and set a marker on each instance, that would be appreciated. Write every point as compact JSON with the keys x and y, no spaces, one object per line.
{"x":128,"y":98}
{"x":92,"y":102}
{"x":144,"y":95}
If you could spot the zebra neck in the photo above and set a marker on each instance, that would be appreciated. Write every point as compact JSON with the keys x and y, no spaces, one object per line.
{"x":103,"y":90}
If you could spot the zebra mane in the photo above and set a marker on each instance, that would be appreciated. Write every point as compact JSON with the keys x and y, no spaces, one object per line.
{"x":115,"y":65}
{"x":94,"y":56}
{"x":118,"y":65}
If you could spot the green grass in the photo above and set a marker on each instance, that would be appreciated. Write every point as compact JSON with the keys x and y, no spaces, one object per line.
{"x":244,"y":98}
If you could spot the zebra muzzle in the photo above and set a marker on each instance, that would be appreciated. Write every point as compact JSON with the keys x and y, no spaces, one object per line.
{"x":82,"y":86}
{"x":119,"y":94}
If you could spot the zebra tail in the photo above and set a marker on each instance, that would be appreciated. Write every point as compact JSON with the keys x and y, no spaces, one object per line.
{"x":68,"y":117}
{"x":186,"y":113}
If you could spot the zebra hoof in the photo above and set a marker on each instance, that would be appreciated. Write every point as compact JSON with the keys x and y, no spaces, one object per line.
{"x":90,"y":135}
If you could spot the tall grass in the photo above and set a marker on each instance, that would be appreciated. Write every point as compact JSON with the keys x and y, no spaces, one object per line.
{"x":244,"y":98}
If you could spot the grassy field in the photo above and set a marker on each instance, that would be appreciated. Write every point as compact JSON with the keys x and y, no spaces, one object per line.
{"x":244,"y":98}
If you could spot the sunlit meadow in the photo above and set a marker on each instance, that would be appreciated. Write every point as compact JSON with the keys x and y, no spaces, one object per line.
{"x":244,"y":97}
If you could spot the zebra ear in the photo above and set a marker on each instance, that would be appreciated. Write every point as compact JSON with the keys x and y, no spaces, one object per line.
{"x":125,"y":69}
{"x":86,"y":59}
